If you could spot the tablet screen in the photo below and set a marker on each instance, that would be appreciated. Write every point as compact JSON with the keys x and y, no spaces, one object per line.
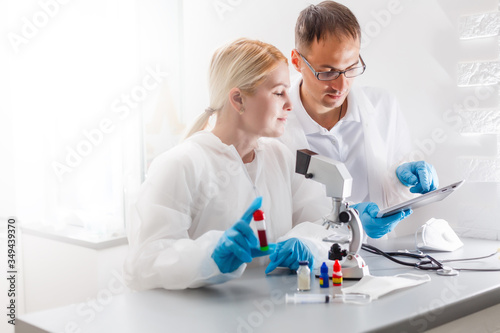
{"x":422,"y":200}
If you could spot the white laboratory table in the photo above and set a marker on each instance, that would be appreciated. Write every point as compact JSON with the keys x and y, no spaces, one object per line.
{"x":255,"y":303}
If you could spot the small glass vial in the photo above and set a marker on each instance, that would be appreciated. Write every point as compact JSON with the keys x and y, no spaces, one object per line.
{"x":303,"y":276}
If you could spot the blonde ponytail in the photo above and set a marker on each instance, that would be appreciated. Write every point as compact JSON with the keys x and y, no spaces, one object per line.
{"x":200,"y":123}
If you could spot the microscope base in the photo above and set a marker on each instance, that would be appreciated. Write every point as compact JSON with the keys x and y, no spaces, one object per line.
{"x":353,"y":268}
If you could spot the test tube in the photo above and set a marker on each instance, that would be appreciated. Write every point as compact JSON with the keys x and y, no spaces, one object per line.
{"x":324,"y":298}
{"x":258,"y":216}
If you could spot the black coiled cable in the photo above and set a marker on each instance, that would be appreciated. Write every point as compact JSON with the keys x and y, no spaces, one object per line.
{"x":429,"y":264}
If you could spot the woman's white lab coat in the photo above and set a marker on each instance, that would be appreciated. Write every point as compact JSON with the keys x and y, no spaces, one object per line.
{"x":197,"y":190}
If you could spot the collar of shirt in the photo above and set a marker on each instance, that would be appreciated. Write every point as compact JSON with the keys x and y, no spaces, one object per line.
{"x":215,"y":143}
{"x":308,"y":124}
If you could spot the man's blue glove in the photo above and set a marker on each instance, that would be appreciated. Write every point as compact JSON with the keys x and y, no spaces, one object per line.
{"x":238,"y":244}
{"x":377,"y":227}
{"x":288,"y":254}
{"x":421,"y":175}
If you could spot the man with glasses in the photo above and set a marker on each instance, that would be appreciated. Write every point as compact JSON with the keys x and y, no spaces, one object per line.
{"x":359,"y":126}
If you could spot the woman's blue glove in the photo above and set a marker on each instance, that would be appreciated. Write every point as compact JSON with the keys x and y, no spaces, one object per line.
{"x":288,"y":254}
{"x":377,"y":227}
{"x":421,"y":175}
{"x":238,"y":244}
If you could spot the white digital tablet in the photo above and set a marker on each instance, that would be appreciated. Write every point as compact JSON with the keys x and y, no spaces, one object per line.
{"x":424,"y":199}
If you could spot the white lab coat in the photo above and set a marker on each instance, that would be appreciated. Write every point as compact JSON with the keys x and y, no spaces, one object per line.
{"x":385,"y":145}
{"x":200,"y":188}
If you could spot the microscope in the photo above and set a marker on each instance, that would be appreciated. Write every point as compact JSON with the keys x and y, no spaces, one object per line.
{"x":338,"y":182}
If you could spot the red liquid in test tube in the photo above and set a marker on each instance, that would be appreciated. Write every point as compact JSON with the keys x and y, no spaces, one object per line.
{"x":258,"y":217}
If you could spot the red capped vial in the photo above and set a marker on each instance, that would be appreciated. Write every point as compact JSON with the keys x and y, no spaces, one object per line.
{"x":337,"y":278}
{"x":260,"y":222}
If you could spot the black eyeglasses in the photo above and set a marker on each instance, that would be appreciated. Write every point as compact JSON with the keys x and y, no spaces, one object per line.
{"x":332,"y":75}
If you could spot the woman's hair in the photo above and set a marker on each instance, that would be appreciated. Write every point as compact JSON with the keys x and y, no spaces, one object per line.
{"x":326,"y":18}
{"x":243,"y":64}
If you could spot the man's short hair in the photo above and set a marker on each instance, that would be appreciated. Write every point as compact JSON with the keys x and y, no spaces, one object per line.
{"x":318,"y":21}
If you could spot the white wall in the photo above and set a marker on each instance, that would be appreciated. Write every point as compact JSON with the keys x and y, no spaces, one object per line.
{"x":57,"y":274}
{"x":411,"y":48}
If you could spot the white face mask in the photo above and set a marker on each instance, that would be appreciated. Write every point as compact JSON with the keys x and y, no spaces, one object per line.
{"x":376,"y":286}
{"x":437,"y":235}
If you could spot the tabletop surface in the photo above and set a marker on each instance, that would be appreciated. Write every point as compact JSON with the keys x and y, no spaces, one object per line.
{"x":256,"y":302}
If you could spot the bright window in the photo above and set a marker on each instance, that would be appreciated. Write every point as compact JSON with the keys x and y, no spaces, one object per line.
{"x":91,"y":97}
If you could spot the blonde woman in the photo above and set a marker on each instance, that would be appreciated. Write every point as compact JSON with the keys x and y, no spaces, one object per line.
{"x":189,"y":230}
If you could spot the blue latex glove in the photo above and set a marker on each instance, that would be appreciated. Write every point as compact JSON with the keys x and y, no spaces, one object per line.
{"x":377,"y":227}
{"x":288,"y":254}
{"x":239,"y":244}
{"x":421,"y":175}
